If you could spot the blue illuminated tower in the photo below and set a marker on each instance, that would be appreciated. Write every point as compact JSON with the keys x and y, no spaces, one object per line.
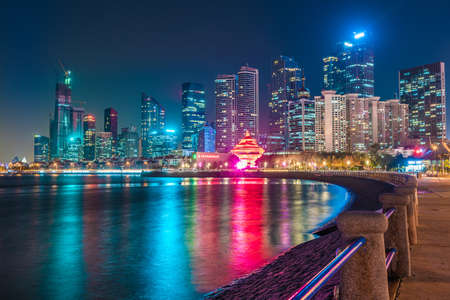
{"x":351,"y":69}
{"x":193,"y":114}
{"x":61,"y":124}
{"x":41,"y":148}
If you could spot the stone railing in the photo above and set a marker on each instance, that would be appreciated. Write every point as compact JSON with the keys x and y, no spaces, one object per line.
{"x":364,"y":274}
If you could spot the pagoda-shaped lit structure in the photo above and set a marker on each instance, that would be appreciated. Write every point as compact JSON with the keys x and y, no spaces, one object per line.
{"x":247,"y":151}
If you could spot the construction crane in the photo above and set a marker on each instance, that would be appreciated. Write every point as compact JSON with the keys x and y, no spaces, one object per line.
{"x":67,"y":79}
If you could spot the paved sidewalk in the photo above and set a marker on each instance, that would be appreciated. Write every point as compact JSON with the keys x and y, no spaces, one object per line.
{"x":431,"y":256}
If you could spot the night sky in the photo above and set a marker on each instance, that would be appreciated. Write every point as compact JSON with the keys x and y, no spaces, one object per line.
{"x":116,"y":50}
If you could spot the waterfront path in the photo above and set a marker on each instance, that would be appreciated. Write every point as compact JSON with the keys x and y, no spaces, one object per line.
{"x":431,"y":256}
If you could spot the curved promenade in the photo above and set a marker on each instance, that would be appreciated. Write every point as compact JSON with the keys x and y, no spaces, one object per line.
{"x":364,"y":275}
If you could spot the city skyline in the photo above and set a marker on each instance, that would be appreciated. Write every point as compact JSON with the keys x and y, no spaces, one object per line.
{"x":87,"y":83}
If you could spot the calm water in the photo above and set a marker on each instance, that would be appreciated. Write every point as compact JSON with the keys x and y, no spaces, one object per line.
{"x":112,"y":237}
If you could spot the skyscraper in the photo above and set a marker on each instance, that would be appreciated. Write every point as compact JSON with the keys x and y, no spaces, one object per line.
{"x":207,"y":139}
{"x":163,"y":143}
{"x":285,"y":87}
{"x":103,"y":146}
{"x":351,"y":69}
{"x":301,"y":118}
{"x":89,"y":137}
{"x":225,"y":91}
{"x":392,"y":124}
{"x":193,"y":114}
{"x":128,"y":143}
{"x":423,"y":89}
{"x":110,"y":124}
{"x":41,"y":145}
{"x":153,"y":118}
{"x":331,"y":122}
{"x":247,"y":106}
{"x":61,"y":124}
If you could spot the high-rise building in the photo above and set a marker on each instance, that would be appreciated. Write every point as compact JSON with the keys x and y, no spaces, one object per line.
{"x":225,"y":91}
{"x":247,"y":106}
{"x":41,"y":145}
{"x":360,"y":115}
{"x":103,"y":146}
{"x":423,"y":89}
{"x":331,"y":122}
{"x":128,"y":145}
{"x":89,"y":137}
{"x":153,"y":118}
{"x":301,"y":120}
{"x":351,"y":69}
{"x":77,"y":122}
{"x":61,"y":124}
{"x":110,"y":124}
{"x":330,"y":73}
{"x":285,"y":86}
{"x":392,"y":124}
{"x":207,"y":139}
{"x":163,"y":143}
{"x":193,"y":114}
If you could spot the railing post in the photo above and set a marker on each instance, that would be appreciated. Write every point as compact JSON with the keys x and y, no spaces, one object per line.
{"x":408,"y":192}
{"x":412,"y":182}
{"x":364,"y":276}
{"x":397,"y":234}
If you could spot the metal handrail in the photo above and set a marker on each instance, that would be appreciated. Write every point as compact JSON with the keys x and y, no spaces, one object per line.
{"x":390,"y":257}
{"x":389,"y":212}
{"x":308,"y":290}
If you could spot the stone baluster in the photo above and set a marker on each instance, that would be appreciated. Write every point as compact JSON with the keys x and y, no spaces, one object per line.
{"x":397,"y":234}
{"x":364,"y":275}
{"x":408,"y":191}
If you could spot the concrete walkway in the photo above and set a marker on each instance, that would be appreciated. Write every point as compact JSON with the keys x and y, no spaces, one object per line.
{"x":431,"y":256}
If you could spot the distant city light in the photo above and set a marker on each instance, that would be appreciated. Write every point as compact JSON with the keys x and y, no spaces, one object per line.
{"x":347,"y":44}
{"x":359,"y":35}
{"x":170,"y":130}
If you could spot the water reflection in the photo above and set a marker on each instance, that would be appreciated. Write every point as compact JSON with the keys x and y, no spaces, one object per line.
{"x":131,"y":237}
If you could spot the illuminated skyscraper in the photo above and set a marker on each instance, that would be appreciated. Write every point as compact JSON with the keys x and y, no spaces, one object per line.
{"x":103,"y":146}
{"x":193,"y":114}
{"x":247,"y":106}
{"x":89,"y":137}
{"x":153,"y":118}
{"x":163,"y":143}
{"x":301,"y":120}
{"x":330,"y":73}
{"x":61,"y":124}
{"x":351,"y":69}
{"x":41,"y":145}
{"x":330,"y":122}
{"x":285,"y":86}
{"x":207,"y":139}
{"x":225,"y":91}
{"x":111,"y":122}
{"x":392,"y":124}
{"x":423,"y":89}
{"x":128,"y":143}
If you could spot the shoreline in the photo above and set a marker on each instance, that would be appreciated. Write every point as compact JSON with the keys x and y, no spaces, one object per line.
{"x":290,"y":270}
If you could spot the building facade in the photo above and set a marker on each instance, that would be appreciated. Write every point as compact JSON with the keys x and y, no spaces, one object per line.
{"x":392,"y":124}
{"x":103,"y":146}
{"x":207,"y":139}
{"x":247,"y":106}
{"x":41,"y":148}
{"x":301,"y":121}
{"x":153,"y":118}
{"x":225,"y":92}
{"x":193,"y":114}
{"x":128,"y":144}
{"x":89,"y":137}
{"x":423,"y":90}
{"x":351,"y":69}
{"x":61,"y":124}
{"x":110,"y":122}
{"x":285,"y":85}
{"x":331,"y":122}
